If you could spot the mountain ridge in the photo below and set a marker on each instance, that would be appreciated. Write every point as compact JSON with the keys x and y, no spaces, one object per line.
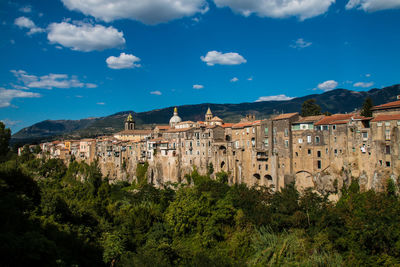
{"x":335,"y":101}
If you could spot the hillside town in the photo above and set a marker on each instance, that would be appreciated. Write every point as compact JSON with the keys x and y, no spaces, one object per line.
{"x":321,"y":152}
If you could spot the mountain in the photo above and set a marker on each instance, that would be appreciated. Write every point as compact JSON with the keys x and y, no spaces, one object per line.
{"x":335,"y":101}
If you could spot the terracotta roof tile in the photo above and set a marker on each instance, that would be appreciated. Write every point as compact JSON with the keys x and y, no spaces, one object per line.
{"x":310,"y":119}
{"x":394,"y":104}
{"x":135,"y":132}
{"x":334,"y":118}
{"x":386,"y":117}
{"x":285,"y":116}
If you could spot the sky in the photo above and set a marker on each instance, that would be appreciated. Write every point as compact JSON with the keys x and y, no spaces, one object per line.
{"x":74,"y":59}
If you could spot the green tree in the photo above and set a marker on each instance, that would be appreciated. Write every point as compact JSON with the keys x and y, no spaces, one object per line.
{"x":5,"y":135}
{"x":366,"y":108}
{"x":310,"y":108}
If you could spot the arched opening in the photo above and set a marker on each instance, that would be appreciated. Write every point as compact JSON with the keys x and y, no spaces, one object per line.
{"x":151,"y":177}
{"x":228,"y":138}
{"x":223,"y":149}
{"x":268,"y":177}
{"x":222,"y":164}
{"x":257,"y":176}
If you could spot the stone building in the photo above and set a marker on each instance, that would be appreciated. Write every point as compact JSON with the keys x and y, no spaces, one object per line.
{"x":322,"y":152}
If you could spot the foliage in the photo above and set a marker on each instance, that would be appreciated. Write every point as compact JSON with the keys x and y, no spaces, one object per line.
{"x":310,"y":108}
{"x":53,"y":215}
{"x":366,"y":108}
{"x":5,"y":135}
{"x":141,"y":173}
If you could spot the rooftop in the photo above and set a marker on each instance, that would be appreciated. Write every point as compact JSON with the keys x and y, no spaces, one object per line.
{"x":285,"y":116}
{"x":394,"y":104}
{"x":386,"y":117}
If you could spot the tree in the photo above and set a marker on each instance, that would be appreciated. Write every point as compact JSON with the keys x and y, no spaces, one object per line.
{"x":5,"y":135}
{"x":310,"y":108}
{"x":366,"y":108}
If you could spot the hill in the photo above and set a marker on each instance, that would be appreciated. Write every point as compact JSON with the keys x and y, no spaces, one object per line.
{"x":335,"y":101}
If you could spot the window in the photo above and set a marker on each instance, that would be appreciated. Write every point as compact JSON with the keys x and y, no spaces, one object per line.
{"x":274,"y":130}
{"x":266,"y":167}
{"x":319,"y":164}
{"x":333,"y":127}
{"x":387,"y":134}
{"x":286,"y":143}
{"x":274,"y":140}
{"x":326,"y":150}
{"x":259,"y":167}
{"x":308,"y":138}
{"x":266,"y":130}
{"x":198,"y":143}
{"x":325,"y":127}
{"x":254,"y":130}
{"x":247,"y":130}
{"x":379,"y":124}
{"x":266,"y":142}
{"x":365,"y":135}
{"x":334,"y":139}
{"x":387,"y":150}
{"x":387,"y":123}
{"x":335,"y":151}
{"x":387,"y":163}
{"x":286,"y":132}
{"x":297,"y":154}
{"x":248,"y":143}
{"x":300,"y":141}
{"x":317,"y":139}
{"x":318,"y":154}
{"x":237,"y":144}
{"x":309,"y":151}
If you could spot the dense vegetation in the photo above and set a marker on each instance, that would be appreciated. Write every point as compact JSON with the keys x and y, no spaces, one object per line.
{"x":54,"y":215}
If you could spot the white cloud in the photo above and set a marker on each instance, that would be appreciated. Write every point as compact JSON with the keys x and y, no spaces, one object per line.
{"x":215,"y":57}
{"x":146,"y":11}
{"x":198,"y":86}
{"x":24,"y":22}
{"x":155,"y":93}
{"x":250,"y":78}
{"x":9,"y":122}
{"x":274,"y":98}
{"x":373,"y":5}
{"x":363,"y":84}
{"x":367,"y":75}
{"x":85,"y":36}
{"x":91,"y":85}
{"x":100,"y":103}
{"x":124,"y":61}
{"x":234,"y":79}
{"x":300,"y":43}
{"x":26,"y":9}
{"x":328,"y":85}
{"x":303,"y":9}
{"x":49,"y":81}
{"x":7,"y":95}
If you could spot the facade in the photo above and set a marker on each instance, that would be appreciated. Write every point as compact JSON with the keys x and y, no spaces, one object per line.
{"x":321,"y":152}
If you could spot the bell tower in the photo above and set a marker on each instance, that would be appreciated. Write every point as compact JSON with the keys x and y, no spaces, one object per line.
{"x":209,"y":115}
{"x":129,"y":123}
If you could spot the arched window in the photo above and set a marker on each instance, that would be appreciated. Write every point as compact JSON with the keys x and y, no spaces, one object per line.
{"x":268,"y":177}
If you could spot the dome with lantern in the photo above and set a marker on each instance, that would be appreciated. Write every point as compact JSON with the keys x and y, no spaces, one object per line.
{"x":175,"y":119}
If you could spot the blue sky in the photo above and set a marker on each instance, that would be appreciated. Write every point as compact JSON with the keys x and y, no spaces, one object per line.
{"x":72,"y":59}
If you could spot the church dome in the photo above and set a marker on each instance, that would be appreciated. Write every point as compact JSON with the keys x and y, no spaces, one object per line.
{"x":175,"y":119}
